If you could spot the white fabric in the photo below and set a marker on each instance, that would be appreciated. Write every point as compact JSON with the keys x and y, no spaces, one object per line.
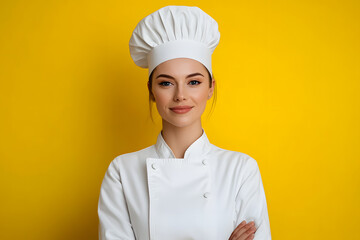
{"x":174,"y":32}
{"x":150,"y":194}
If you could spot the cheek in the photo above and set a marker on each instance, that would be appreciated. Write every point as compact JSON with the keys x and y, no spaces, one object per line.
{"x":201,"y":97}
{"x":162,"y":98}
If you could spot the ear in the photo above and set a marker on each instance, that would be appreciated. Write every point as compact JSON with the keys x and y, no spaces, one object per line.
{"x":150,"y":92}
{"x":211,"y":90}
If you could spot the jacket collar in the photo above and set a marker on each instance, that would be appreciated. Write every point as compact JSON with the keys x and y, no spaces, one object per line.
{"x":197,"y":150}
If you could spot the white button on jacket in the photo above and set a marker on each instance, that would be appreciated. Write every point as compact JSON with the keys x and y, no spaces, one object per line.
{"x":151,"y":195}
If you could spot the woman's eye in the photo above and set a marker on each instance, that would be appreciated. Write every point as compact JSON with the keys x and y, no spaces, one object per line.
{"x":165,"y":83}
{"x":194,"y":82}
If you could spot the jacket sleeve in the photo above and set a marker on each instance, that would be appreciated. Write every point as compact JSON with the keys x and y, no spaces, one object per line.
{"x":250,"y":201}
{"x":114,"y":220}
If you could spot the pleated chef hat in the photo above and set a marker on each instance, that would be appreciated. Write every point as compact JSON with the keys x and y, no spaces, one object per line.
{"x":174,"y":32}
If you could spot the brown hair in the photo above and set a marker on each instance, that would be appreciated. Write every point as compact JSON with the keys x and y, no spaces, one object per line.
{"x":152,"y":99}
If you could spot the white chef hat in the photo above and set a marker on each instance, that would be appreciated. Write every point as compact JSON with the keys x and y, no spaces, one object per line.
{"x":174,"y":32}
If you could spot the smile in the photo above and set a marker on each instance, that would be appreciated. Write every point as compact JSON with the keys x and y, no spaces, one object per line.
{"x":181,"y":110}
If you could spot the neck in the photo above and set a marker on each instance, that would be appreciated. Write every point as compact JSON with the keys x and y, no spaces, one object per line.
{"x":180,"y":138}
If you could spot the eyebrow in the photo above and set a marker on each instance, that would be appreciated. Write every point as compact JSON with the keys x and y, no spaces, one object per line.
{"x":188,"y":76}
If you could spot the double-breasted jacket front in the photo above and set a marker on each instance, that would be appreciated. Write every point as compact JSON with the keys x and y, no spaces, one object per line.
{"x":150,"y":194}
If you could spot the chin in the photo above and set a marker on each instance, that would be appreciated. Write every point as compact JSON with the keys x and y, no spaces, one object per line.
{"x":180,"y":122}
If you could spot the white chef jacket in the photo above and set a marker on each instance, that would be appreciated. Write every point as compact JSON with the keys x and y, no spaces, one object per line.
{"x":151,"y":195}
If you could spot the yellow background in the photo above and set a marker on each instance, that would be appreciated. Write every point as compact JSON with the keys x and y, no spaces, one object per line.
{"x":72,"y":99}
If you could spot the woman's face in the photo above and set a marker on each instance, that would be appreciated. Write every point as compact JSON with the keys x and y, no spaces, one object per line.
{"x":181,"y":82}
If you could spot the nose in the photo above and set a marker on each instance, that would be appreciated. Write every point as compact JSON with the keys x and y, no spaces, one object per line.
{"x":180,"y":93}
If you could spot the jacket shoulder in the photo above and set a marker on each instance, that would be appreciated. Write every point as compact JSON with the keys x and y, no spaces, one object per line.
{"x":136,"y":155}
{"x":237,"y":156}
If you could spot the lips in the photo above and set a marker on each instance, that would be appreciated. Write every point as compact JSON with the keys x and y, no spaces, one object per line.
{"x":181,"y":109}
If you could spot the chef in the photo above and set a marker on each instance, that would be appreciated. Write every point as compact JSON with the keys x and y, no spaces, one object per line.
{"x":183,"y":187}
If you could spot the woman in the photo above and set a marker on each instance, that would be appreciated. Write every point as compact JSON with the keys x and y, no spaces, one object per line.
{"x":182,"y":187}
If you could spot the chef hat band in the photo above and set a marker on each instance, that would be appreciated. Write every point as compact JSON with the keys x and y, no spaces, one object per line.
{"x":179,"y":49}
{"x":174,"y":32}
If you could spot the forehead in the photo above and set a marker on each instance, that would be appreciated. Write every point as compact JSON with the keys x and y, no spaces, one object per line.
{"x":180,"y":67}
